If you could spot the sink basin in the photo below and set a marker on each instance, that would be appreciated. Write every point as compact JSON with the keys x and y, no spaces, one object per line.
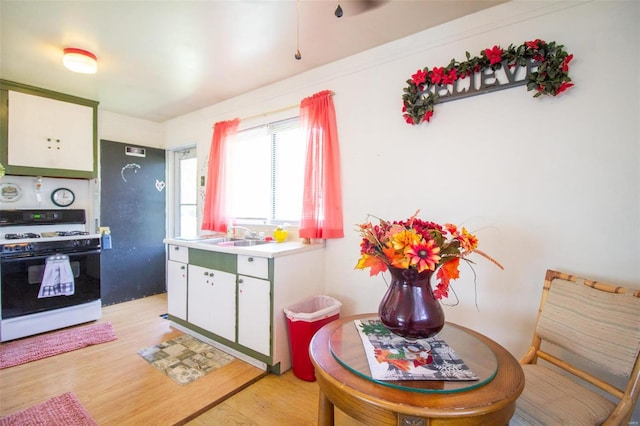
{"x":237,"y":242}
{"x":203,"y":238}
{"x":243,"y":243}
{"x":215,"y":240}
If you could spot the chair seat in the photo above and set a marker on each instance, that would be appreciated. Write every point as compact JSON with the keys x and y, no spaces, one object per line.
{"x":565,"y":402}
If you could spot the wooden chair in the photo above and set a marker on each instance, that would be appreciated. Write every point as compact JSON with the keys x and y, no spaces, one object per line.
{"x":582,"y":324}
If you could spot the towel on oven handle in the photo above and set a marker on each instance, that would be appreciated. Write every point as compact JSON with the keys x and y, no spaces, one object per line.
{"x":57,"y":279}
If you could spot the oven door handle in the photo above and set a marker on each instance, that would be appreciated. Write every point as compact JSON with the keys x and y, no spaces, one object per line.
{"x":19,"y":258}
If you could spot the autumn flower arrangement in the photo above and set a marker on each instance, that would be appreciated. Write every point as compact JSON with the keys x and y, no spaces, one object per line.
{"x":419,"y":245}
{"x":551,"y":78}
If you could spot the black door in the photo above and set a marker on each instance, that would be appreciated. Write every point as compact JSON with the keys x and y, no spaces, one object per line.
{"x":132,"y":204}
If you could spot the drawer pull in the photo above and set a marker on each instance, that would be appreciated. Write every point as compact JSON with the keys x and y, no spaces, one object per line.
{"x":250,"y":259}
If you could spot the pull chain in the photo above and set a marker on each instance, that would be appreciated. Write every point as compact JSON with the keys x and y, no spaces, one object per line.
{"x":298,"y":55}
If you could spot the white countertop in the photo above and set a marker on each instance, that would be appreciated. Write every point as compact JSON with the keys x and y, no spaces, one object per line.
{"x":273,"y":249}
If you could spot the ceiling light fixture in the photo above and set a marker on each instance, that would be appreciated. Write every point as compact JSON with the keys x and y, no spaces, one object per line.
{"x":78,"y":60}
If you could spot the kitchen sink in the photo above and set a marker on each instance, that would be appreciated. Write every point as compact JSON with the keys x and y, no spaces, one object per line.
{"x":244,"y":243}
{"x":214,"y":240}
{"x":237,"y":242}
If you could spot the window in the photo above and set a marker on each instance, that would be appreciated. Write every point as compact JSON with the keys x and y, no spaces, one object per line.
{"x":265,"y":173}
{"x":186,"y":192}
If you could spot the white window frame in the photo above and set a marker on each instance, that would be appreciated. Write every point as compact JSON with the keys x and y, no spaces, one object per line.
{"x":179,"y":154}
{"x":271,"y":130}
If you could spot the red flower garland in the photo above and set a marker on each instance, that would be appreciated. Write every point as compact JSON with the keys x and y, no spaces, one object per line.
{"x":551,"y":78}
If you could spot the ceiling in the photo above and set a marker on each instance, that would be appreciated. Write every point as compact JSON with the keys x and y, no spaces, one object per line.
{"x":161,"y":59}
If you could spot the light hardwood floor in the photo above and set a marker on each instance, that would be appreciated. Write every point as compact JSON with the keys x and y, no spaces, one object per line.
{"x":118,"y":387}
{"x":271,"y":401}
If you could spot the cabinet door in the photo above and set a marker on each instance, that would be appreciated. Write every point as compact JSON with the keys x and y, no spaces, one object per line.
{"x":49,"y":134}
{"x":177,"y":289}
{"x":254,"y":314}
{"x":212,"y":301}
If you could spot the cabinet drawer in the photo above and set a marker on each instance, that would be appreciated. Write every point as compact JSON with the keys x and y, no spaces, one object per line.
{"x":179,"y":253}
{"x":253,"y":266}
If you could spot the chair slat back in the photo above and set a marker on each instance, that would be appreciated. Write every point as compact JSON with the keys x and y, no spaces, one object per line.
{"x":593,"y":321}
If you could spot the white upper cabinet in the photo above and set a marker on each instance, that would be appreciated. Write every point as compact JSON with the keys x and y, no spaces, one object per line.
{"x":47,"y":136}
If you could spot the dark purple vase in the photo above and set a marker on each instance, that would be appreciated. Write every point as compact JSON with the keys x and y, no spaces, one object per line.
{"x":409,"y":307}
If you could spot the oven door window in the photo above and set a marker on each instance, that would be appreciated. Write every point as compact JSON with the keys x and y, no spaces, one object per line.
{"x":22,"y":277}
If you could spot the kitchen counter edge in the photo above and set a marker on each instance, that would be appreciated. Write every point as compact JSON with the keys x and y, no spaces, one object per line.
{"x":265,"y":250}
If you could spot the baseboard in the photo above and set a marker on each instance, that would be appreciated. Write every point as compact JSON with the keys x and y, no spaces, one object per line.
{"x":237,"y":354}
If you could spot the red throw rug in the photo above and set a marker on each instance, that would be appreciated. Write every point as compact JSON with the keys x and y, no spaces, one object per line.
{"x":50,"y":344}
{"x":63,"y":409}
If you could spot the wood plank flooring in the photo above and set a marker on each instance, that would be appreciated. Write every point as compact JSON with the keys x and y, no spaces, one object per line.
{"x":271,"y":401}
{"x":118,"y":387}
{"x":114,"y":383}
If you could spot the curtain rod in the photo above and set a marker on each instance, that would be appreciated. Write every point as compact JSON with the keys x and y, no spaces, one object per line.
{"x":275,"y":111}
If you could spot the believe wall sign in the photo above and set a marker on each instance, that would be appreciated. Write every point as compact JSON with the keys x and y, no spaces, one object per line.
{"x":541,"y":66}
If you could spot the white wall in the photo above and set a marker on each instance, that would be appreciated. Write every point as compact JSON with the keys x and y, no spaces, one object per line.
{"x":121,"y":128}
{"x":545,"y":183}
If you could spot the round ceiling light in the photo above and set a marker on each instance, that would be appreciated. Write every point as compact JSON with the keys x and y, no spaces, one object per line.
{"x":78,"y":60}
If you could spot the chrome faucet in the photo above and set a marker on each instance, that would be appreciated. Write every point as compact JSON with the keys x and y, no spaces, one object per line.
{"x":248,"y":233}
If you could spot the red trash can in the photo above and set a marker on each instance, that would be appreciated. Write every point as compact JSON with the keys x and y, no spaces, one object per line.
{"x":304,"y":319}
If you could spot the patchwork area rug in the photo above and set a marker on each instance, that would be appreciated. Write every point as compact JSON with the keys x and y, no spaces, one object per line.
{"x":63,"y":409}
{"x":50,"y":344}
{"x":185,"y":358}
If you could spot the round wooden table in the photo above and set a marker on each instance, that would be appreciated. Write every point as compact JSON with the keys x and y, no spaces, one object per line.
{"x":337,"y":354}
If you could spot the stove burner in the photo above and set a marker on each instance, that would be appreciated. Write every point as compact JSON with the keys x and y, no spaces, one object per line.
{"x":21,"y":236}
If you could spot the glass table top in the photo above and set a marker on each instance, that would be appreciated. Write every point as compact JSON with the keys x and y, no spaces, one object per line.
{"x":347,"y":348}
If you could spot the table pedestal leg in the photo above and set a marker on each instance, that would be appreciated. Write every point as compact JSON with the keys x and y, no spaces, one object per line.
{"x":325,"y":411}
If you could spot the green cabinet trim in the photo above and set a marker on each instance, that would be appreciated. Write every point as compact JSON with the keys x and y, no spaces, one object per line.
{"x":5,"y":87}
{"x":271,"y":273}
{"x":233,"y":345}
{"x":225,"y":262}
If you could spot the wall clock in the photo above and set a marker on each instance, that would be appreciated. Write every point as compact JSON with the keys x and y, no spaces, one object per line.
{"x":63,"y":197}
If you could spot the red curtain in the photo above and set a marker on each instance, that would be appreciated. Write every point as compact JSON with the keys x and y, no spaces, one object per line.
{"x":214,"y":217}
{"x":322,"y":201}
